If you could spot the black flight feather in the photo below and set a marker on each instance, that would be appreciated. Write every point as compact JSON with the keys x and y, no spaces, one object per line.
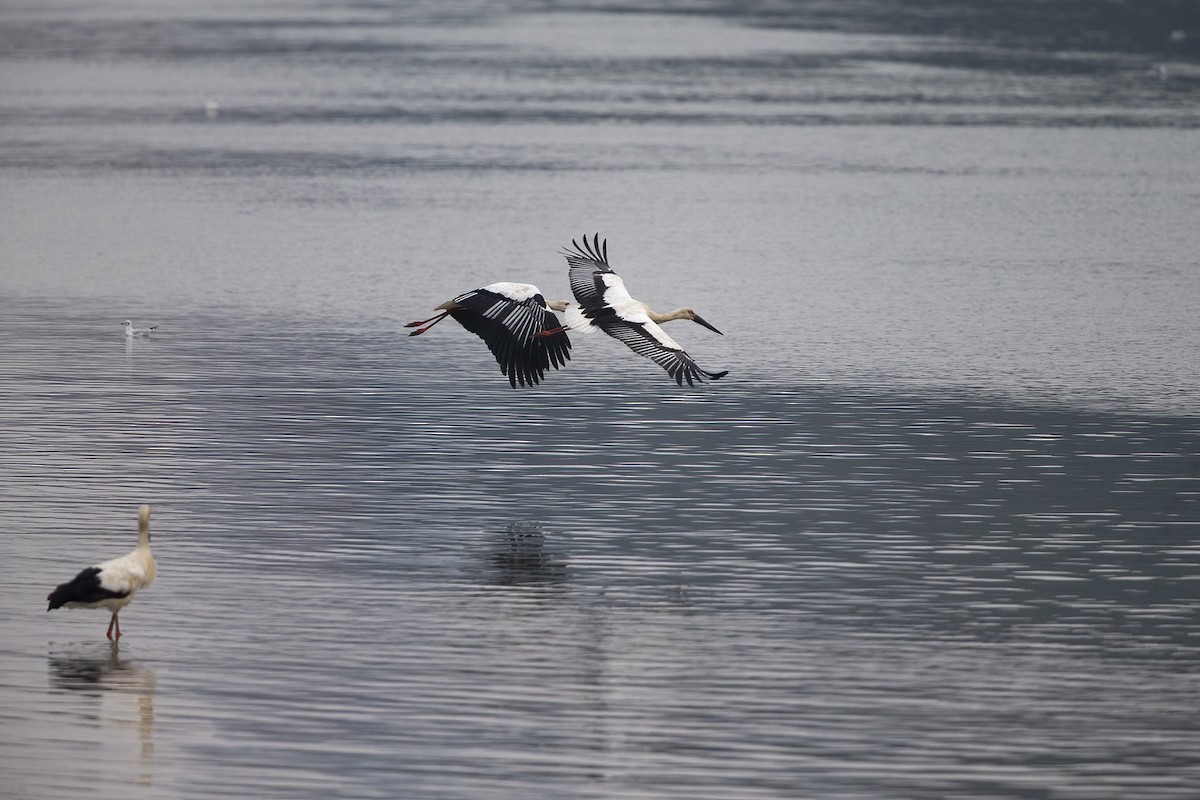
{"x":507,"y":327}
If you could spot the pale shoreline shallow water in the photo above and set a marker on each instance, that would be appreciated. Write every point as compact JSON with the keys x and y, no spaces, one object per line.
{"x":934,"y":536}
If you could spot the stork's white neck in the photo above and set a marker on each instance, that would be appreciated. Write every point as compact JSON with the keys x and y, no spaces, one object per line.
{"x":679,"y":313}
{"x":144,"y":528}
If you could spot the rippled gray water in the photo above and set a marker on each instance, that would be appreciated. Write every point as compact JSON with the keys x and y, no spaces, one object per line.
{"x":934,"y":536}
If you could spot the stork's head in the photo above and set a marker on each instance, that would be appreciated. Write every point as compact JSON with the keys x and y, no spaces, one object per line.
{"x":694,"y":317}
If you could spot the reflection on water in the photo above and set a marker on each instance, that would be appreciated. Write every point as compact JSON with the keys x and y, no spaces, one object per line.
{"x":521,"y":557}
{"x":122,"y":703}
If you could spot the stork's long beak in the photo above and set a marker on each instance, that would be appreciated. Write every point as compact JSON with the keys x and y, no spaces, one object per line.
{"x":702,"y":321}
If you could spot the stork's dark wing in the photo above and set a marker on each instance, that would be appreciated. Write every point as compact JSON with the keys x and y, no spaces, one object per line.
{"x":588,"y":264}
{"x":83,"y":588}
{"x":509,"y":328}
{"x":648,"y":339}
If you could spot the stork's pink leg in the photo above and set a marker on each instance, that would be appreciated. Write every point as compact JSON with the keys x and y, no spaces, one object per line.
{"x":552,"y":332}
{"x":111,"y":622}
{"x":428,"y":323}
{"x":117,"y":620}
{"x":421,"y":322}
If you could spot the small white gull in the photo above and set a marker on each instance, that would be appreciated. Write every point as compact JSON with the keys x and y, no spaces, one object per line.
{"x":131,"y":332}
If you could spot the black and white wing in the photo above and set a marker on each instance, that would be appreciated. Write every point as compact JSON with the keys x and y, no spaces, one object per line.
{"x":89,"y":586}
{"x":509,"y":317}
{"x":588,"y":273}
{"x":646,"y":337}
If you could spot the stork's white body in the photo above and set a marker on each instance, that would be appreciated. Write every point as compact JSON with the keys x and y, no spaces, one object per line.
{"x":126,"y":575}
{"x":517,"y":292}
{"x":617,"y":297}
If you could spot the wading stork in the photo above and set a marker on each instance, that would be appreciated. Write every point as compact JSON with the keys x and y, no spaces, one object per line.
{"x":517,"y":325}
{"x":603,"y":303}
{"x":111,"y":585}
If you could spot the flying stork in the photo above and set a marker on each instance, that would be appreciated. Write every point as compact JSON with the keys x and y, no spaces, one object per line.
{"x":603,"y":303}
{"x":112,"y":584}
{"x":517,"y":325}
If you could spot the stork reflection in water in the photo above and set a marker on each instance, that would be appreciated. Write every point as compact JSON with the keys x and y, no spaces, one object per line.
{"x":117,"y":693}
{"x":522,"y":557}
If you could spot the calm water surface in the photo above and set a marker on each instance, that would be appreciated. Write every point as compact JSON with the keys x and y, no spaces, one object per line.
{"x":934,"y":536}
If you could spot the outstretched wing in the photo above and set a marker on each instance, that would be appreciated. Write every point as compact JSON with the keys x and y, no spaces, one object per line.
{"x":600,"y":292}
{"x":647,"y":338}
{"x":589,"y":267}
{"x":509,"y":324}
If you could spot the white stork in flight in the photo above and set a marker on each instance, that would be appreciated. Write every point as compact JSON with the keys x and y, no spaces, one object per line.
{"x":111,"y":585}
{"x":514,"y":321}
{"x":602,"y":302}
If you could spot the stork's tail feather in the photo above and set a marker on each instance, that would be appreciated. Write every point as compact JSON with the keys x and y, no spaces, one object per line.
{"x":716,"y":376}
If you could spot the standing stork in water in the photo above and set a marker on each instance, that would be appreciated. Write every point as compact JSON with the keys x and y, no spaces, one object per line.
{"x":111,"y":585}
{"x":517,"y":325}
{"x":602,"y":302}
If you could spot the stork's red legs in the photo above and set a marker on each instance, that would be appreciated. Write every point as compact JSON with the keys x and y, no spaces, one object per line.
{"x":428,"y":323}
{"x":551,"y":332}
{"x":111,"y":623}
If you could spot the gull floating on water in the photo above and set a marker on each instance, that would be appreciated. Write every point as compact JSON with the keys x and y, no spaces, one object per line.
{"x":112,"y":584}
{"x":131,"y":331}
